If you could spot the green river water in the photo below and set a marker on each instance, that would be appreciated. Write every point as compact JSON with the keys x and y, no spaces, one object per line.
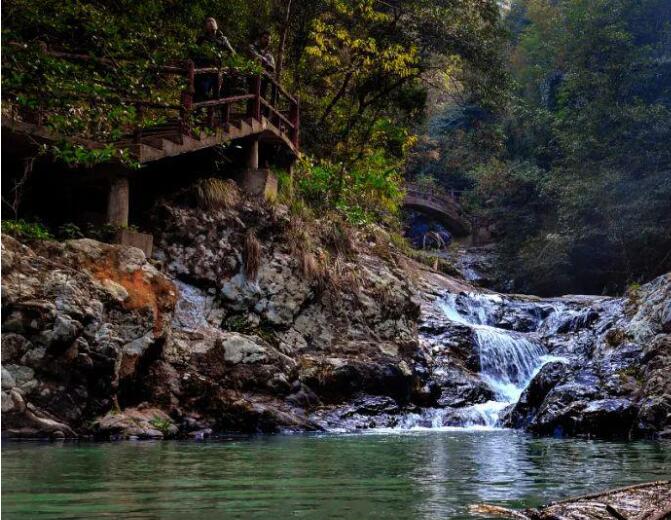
{"x":428,"y":474}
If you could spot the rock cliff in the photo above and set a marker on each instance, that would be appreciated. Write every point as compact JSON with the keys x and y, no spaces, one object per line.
{"x":252,"y":319}
{"x":246,"y":320}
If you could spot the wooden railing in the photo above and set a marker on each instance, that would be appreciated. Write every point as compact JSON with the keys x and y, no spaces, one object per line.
{"x":280,"y":108}
{"x":286,"y":120}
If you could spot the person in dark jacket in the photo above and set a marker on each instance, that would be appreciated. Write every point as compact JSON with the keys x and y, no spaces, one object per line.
{"x":261,"y":51}
{"x":213,"y":46}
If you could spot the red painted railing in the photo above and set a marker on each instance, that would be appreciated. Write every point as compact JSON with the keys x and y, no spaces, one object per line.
{"x":281,"y":108}
{"x":258,"y":106}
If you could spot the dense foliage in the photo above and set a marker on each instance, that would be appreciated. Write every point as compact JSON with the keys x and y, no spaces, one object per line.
{"x":360,"y":67}
{"x":576,"y":172}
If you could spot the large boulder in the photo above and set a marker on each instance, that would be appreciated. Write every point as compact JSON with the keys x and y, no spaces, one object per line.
{"x":524,"y":411}
{"x":143,"y":422}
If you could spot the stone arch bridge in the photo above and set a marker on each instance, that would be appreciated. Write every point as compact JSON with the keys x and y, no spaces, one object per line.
{"x":440,"y":205}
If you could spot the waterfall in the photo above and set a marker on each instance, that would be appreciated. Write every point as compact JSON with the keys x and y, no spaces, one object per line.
{"x":508,"y":360}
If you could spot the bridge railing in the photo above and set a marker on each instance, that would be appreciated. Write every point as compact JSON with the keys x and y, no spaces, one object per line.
{"x":434,"y":195}
{"x":260,"y":96}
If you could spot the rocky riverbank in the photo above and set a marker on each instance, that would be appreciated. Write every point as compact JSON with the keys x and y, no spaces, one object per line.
{"x":575,"y":365}
{"x":254,"y":319}
{"x":648,"y":501}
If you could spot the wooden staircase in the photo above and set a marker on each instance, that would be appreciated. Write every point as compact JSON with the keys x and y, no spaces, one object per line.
{"x":273,"y":119}
{"x":167,"y":140}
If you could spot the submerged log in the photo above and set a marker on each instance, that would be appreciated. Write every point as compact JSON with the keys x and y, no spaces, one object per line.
{"x":649,"y":501}
{"x":490,"y":510}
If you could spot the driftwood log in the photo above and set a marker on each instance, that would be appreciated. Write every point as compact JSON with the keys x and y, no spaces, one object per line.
{"x":649,"y":501}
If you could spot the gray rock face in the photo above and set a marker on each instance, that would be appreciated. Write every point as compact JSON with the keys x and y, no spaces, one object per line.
{"x":612,"y":374}
{"x":74,"y":347}
{"x":240,"y":349}
{"x":97,"y":341}
{"x":363,"y":412}
{"x":549,"y":376}
{"x":618,"y":383}
{"x":92,"y":331}
{"x":283,"y":332}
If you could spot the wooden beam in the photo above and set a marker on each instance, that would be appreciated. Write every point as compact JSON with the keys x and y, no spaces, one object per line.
{"x":223,"y":101}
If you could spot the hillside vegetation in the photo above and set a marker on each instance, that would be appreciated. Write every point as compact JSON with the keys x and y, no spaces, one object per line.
{"x":361,"y":69}
{"x":574,"y":170}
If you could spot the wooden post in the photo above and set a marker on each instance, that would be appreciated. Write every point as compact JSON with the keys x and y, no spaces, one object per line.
{"x":225,"y":109}
{"x":118,"y":202}
{"x":211,"y":110}
{"x":274,"y":101}
{"x":295,"y":118}
{"x":187,"y":98}
{"x":254,"y":107}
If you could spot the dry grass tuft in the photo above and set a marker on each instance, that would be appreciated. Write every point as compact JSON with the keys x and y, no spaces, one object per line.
{"x":251,"y":255}
{"x":310,"y":266}
{"x":213,"y":193}
{"x":383,"y":250}
{"x":321,"y":249}
{"x":338,"y":236}
{"x":298,"y":236}
{"x":341,"y":276}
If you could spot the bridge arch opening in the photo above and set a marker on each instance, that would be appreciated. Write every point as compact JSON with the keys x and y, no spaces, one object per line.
{"x":433,"y":219}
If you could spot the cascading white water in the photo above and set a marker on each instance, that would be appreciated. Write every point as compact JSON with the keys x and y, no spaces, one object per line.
{"x":508,"y":360}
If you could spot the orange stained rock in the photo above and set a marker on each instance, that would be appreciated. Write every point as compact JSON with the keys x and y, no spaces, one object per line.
{"x":146,"y":290}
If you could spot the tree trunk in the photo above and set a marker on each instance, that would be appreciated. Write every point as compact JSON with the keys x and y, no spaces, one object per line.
{"x":283,"y":40}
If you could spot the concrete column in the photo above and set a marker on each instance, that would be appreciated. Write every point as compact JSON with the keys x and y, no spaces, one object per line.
{"x":118,"y":202}
{"x":253,"y":154}
{"x":260,"y":183}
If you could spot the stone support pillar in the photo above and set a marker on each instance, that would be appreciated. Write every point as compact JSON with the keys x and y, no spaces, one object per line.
{"x":260,"y":183}
{"x":118,"y":202}
{"x":253,"y":154}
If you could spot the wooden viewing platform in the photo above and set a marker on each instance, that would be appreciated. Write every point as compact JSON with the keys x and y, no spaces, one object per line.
{"x":264,"y":110}
{"x":250,"y":109}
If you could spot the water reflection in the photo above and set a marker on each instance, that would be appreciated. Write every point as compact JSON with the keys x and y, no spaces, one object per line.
{"x":422,"y":475}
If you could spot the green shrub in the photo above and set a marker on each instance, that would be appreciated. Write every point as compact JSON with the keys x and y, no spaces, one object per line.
{"x":26,"y":230}
{"x":400,"y":241}
{"x":285,"y":186}
{"x":161,"y":425}
{"x":70,"y":231}
{"x":369,"y":190}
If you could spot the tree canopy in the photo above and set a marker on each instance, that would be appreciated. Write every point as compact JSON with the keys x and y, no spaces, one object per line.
{"x":575,"y":170}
